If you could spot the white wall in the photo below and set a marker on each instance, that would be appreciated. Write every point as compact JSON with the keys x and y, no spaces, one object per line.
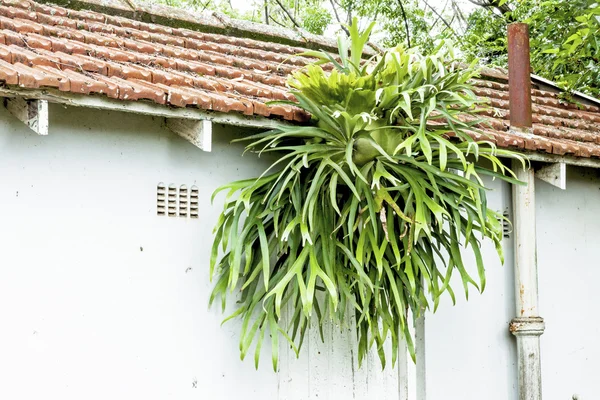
{"x":102,"y":299}
{"x":469,"y":351}
{"x":568,"y":232}
{"x":470,"y":354}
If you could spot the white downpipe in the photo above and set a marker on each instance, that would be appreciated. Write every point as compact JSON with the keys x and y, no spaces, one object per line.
{"x":528,"y":326}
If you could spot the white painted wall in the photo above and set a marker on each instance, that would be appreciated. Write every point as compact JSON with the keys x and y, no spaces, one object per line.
{"x":95,"y":299}
{"x":470,"y":354}
{"x":469,"y":351}
{"x":568,"y":231}
{"x":100,"y":298}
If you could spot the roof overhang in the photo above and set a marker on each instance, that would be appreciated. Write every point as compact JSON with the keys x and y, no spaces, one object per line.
{"x":139,"y":107}
{"x":194,"y":114}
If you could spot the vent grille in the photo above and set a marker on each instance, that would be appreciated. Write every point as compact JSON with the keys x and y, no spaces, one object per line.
{"x":506,"y":225}
{"x":194,"y":202}
{"x":172,"y":199}
{"x":160,"y":199}
{"x":183,"y":201}
{"x":176,"y":202}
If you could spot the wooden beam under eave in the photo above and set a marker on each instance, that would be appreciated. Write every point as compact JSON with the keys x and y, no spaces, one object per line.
{"x":33,"y":113}
{"x":199,"y":133}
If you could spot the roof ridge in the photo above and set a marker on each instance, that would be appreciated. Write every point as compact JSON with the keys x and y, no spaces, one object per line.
{"x":207,"y":22}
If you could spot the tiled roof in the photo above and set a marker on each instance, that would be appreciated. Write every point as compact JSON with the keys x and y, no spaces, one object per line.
{"x":559,"y":127}
{"x":114,"y":53}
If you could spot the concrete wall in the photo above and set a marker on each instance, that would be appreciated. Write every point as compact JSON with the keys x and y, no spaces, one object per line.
{"x":470,"y":354}
{"x":101,"y":298}
{"x":568,"y":232}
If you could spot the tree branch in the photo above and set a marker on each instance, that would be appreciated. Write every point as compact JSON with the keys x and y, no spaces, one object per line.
{"x":441,"y":18}
{"x":266,"y":12}
{"x":288,"y":13}
{"x":349,"y":16}
{"x":277,"y":22}
{"x":504,"y":8}
{"x":205,"y":5}
{"x":461,"y":17}
{"x":405,"y":23}
{"x":338,"y":18}
{"x":438,"y":18}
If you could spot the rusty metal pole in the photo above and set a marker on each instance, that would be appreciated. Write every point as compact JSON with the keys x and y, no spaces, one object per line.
{"x":519,"y":76}
{"x":528,"y":326}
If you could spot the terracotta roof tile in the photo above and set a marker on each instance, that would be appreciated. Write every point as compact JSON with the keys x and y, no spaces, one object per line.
{"x":88,"y":52}
{"x":36,"y":78}
{"x":8,"y":73}
{"x":183,"y":97}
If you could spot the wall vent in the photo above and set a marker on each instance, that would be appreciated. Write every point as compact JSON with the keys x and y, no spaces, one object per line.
{"x":160,"y":199}
{"x":183,"y":201}
{"x":177,"y":202}
{"x":194,"y":202}
{"x":172,"y":200}
{"x":506,"y":225}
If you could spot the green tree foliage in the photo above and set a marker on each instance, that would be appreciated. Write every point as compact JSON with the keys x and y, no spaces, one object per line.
{"x":573,"y":62}
{"x":565,"y":34}
{"x":565,"y":39}
{"x":309,"y":15}
{"x":316,"y":19}
{"x":367,"y":212}
{"x":223,"y":6}
{"x":399,"y":22}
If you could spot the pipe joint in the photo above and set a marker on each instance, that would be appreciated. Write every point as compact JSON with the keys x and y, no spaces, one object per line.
{"x":527,"y":326}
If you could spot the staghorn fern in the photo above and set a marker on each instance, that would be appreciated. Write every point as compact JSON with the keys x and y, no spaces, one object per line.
{"x":372,"y":205}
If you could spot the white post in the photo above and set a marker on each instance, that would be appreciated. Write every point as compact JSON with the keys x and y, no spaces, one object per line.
{"x":528,"y":326}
